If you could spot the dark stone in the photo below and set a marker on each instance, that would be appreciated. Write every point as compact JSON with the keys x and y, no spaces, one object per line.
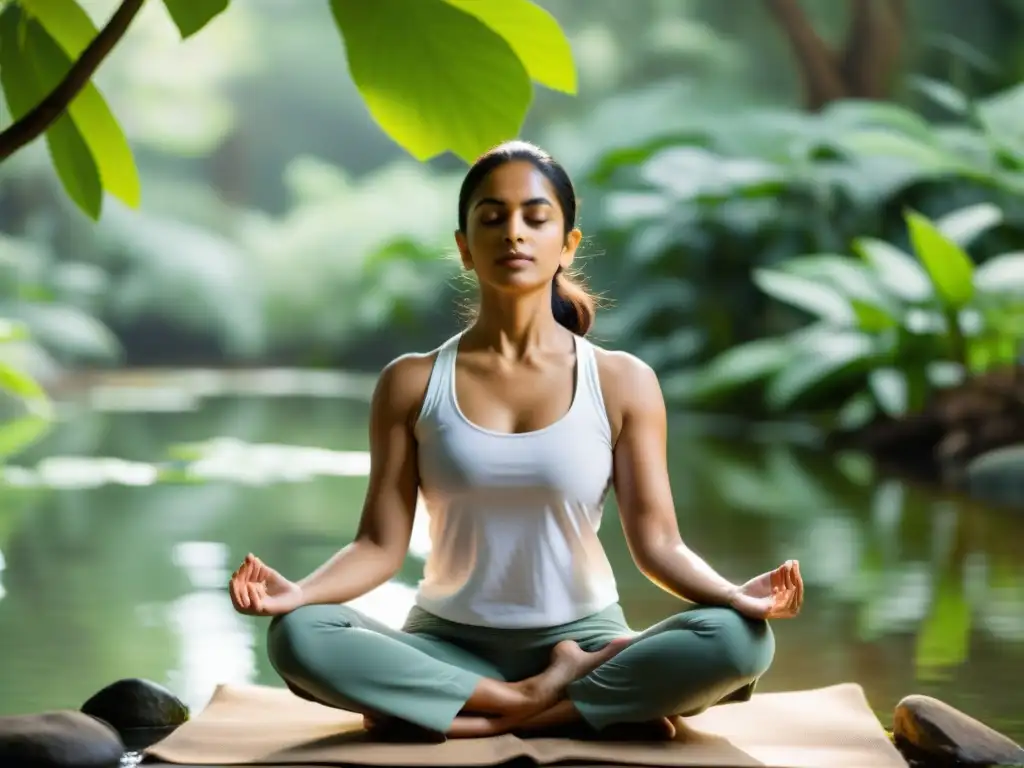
{"x":133,"y":704}
{"x":932,"y":733}
{"x":998,"y":475}
{"x":60,"y":739}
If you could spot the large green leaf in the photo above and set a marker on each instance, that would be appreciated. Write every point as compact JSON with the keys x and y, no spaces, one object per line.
{"x":963,"y":226}
{"x":535,"y":38}
{"x":66,"y":22}
{"x":848,"y":276}
{"x":896,"y":269}
{"x":806,"y":294}
{"x":888,"y":144}
{"x":434,"y":77}
{"x":844,"y":116}
{"x":75,"y":166}
{"x":91,"y":115}
{"x":71,"y":157}
{"x":190,"y":16}
{"x":817,"y":360}
{"x":1001,"y":274}
{"x":949,"y":267}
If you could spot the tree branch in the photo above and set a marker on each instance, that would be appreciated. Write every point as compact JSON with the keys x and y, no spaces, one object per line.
{"x":46,"y":112}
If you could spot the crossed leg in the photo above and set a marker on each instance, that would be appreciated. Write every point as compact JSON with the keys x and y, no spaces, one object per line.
{"x":335,"y":655}
{"x":681,"y":666}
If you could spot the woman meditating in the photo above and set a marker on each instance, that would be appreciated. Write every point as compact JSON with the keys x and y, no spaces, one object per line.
{"x":514,"y":431}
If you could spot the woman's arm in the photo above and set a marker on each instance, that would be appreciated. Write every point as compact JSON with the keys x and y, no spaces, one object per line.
{"x":642,"y":488}
{"x":382,"y":540}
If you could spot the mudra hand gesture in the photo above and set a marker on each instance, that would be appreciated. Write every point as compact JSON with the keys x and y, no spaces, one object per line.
{"x":778,"y":594}
{"x":258,"y":590}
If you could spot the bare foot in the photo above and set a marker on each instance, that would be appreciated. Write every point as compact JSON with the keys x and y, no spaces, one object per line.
{"x":568,"y":662}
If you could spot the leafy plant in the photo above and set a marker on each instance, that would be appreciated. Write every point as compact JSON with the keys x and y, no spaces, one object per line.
{"x":698,"y":206}
{"x":436,"y":75}
{"x":888,"y":329}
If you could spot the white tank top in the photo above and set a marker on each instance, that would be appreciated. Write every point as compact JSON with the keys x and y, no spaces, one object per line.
{"x":514,"y":517}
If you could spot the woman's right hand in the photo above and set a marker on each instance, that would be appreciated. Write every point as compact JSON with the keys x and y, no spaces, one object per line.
{"x":258,"y":590}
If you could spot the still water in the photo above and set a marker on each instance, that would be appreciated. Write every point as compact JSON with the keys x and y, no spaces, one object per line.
{"x":106,"y":575}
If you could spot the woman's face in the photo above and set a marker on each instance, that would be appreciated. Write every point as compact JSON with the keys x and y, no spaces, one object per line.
{"x":515,"y":230}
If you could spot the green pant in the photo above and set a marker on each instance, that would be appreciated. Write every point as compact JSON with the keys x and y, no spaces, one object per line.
{"x":425,"y":672}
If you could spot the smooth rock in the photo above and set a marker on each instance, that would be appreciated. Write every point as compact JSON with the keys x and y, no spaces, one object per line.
{"x":133,"y":703}
{"x":998,"y":475}
{"x":59,"y":739}
{"x":933,"y":733}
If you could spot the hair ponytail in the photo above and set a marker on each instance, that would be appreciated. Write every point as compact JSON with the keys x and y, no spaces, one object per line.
{"x":571,"y":304}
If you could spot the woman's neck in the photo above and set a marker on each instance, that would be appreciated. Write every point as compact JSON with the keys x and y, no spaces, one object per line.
{"x":515,"y":326}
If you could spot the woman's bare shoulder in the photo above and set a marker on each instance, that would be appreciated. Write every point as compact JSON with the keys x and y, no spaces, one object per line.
{"x":624,"y":371}
{"x":402,"y":385}
{"x":627,"y":382}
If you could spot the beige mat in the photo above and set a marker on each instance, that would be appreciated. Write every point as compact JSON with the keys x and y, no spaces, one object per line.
{"x":829,"y":727}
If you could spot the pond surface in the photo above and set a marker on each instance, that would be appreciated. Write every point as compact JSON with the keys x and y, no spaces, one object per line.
{"x":907,"y":590}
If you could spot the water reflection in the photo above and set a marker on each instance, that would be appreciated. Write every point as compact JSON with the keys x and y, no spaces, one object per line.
{"x":908,"y":590}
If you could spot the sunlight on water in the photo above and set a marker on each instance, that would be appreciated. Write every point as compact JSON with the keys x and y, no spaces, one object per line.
{"x":148,"y":399}
{"x":182,"y":391}
{"x":215,"y":644}
{"x":830,"y":551}
{"x":264,"y":463}
{"x":78,"y":472}
{"x":3,"y":565}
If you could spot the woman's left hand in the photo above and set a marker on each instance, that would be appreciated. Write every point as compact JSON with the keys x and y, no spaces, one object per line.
{"x":778,"y":594}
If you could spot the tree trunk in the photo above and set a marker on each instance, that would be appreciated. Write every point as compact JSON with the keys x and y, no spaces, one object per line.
{"x":868,"y":61}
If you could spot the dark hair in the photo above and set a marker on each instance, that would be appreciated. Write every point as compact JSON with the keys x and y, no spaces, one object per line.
{"x":571,"y":304}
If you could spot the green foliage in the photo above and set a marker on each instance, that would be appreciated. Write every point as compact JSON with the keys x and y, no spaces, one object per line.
{"x":190,"y":16}
{"x":887,"y":328}
{"x":709,"y":201}
{"x":89,"y":150}
{"x":480,"y":55}
{"x":436,"y":75}
{"x":332,"y":269}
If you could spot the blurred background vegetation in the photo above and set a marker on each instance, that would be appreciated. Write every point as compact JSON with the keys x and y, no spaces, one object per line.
{"x":806,"y":211}
{"x":280,"y":225}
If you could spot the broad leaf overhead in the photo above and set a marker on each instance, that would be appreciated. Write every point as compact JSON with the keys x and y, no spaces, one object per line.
{"x":69,"y":153}
{"x":66,"y":21}
{"x":533,"y":34}
{"x":433,"y":77}
{"x":92,"y":117}
{"x":89,"y":150}
{"x":190,"y":16}
{"x":436,"y":75}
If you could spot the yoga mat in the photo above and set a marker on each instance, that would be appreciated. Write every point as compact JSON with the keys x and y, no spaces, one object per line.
{"x":830,"y":727}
